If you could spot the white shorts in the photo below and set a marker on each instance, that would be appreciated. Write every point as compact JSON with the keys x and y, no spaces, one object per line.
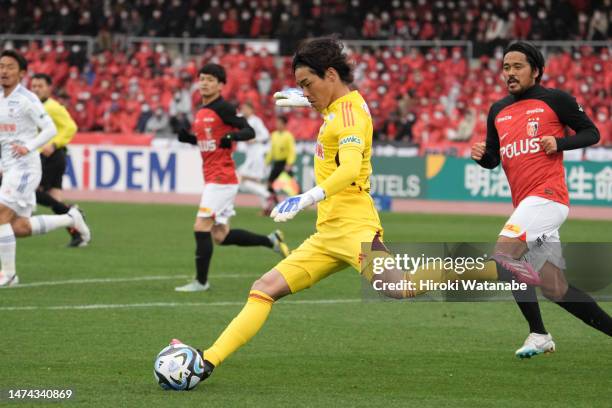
{"x":18,"y":189}
{"x":536,"y":221}
{"x":217,"y":202}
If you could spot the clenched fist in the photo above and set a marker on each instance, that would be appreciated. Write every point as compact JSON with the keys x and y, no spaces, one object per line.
{"x":549,"y":144}
{"x":478,"y":150}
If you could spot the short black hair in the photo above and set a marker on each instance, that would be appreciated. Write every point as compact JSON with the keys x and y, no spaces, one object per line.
{"x":21,"y":61}
{"x":282,"y":119}
{"x":44,"y":77}
{"x":533,"y":55}
{"x":319,"y":54}
{"x":215,"y":70}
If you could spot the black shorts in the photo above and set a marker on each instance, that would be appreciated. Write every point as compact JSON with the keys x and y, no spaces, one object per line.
{"x":53,"y":168}
{"x":277,"y":168}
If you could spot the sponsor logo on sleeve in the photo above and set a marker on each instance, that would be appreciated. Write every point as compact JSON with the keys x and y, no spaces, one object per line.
{"x":352,"y":139}
{"x":504,"y":118}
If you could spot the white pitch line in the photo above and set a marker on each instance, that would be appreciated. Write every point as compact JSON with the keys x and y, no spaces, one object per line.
{"x":169,"y":304}
{"x":115,"y":280}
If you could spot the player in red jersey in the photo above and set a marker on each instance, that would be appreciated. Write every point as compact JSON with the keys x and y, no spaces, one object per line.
{"x":526,"y":133}
{"x":217,"y":127}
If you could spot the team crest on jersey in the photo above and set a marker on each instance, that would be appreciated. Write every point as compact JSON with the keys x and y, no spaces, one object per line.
{"x":532,"y":128}
{"x":319,"y":151}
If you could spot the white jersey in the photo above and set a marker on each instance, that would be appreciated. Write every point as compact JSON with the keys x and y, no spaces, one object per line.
{"x":255,"y":162}
{"x":261,"y":132}
{"x":21,"y":116}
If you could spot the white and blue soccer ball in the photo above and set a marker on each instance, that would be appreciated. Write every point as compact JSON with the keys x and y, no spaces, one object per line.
{"x":178,"y":367}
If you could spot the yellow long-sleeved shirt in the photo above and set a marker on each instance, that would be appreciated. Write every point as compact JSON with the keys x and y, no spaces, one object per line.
{"x":66,"y":127}
{"x":282,"y":147}
{"x":342,"y":165}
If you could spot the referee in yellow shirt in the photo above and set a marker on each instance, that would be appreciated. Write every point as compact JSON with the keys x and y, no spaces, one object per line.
{"x":281,"y":155}
{"x":53,"y":154}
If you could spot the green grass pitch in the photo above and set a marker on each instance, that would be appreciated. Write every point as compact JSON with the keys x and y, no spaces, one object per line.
{"x":343,"y":353}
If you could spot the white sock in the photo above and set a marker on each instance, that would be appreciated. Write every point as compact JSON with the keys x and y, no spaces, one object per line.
{"x":259,"y":189}
{"x":41,"y":224}
{"x":7,"y":249}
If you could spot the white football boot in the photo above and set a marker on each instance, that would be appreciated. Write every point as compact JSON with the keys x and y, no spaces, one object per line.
{"x":536,"y":344}
{"x":7,"y":281}
{"x":193,"y":286}
{"x":80,"y":225}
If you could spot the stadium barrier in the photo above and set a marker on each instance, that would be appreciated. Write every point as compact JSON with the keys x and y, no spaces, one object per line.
{"x":176,"y":169}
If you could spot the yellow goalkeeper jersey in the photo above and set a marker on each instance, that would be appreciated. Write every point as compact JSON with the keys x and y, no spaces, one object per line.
{"x":66,"y":127}
{"x":346,"y":135}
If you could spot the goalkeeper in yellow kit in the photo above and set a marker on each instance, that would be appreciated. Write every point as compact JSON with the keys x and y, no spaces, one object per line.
{"x":346,"y":213}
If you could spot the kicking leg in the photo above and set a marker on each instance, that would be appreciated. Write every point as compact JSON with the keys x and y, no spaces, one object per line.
{"x":308,"y":264}
{"x":264,"y":292}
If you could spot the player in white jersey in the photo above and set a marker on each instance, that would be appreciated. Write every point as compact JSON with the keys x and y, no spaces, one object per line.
{"x":21,"y":116}
{"x":253,"y":170}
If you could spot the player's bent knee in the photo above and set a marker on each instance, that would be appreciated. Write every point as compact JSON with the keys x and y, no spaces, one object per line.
{"x":555,"y":293}
{"x":219,"y":233}
{"x":21,"y":227}
{"x":273,"y":284}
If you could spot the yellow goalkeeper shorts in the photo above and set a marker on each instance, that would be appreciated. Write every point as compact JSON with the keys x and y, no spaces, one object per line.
{"x":322,"y":254}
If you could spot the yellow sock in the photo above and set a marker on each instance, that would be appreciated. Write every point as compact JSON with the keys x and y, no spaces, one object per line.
{"x":244,"y":326}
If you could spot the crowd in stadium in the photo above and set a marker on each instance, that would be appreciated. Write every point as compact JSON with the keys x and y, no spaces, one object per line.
{"x":476,"y":20}
{"x":433,"y":97}
{"x":421,"y":97}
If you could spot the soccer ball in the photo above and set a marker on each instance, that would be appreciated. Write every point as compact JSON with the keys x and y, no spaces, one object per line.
{"x":178,"y":367}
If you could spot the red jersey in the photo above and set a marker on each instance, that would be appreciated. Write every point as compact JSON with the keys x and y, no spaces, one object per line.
{"x":212,"y":122}
{"x":514,"y":127}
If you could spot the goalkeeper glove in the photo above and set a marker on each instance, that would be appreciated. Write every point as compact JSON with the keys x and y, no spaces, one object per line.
{"x":185,"y":137}
{"x":287,"y":209}
{"x":291,"y":97}
{"x":226,"y":141}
